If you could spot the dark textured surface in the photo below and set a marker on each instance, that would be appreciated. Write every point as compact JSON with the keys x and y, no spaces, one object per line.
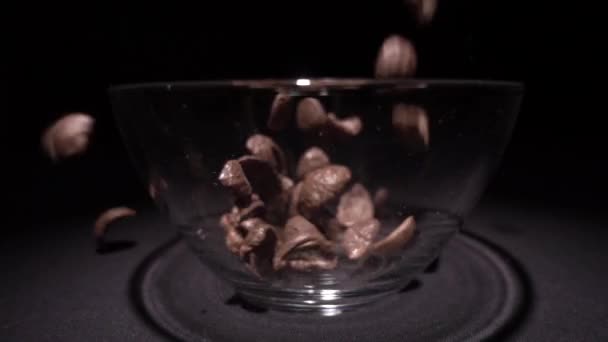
{"x":57,"y":288}
{"x":473,"y":296}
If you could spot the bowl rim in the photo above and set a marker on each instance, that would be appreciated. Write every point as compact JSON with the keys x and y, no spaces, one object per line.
{"x":312,"y":83}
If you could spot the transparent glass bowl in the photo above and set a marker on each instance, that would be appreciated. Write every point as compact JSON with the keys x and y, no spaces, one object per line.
{"x":396,"y":167}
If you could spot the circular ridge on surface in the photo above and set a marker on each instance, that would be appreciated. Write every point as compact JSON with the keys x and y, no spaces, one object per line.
{"x":472,"y":296}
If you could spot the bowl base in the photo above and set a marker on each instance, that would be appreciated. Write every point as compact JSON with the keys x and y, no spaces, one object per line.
{"x":472,"y":295}
{"x":328,"y":302}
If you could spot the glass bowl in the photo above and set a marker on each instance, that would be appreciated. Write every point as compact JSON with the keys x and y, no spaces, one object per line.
{"x":316,"y":194}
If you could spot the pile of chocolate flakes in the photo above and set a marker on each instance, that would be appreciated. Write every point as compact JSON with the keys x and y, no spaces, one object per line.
{"x":303,"y":221}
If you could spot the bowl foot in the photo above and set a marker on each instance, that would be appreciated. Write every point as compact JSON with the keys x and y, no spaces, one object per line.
{"x":473,"y":295}
{"x":326,"y":302}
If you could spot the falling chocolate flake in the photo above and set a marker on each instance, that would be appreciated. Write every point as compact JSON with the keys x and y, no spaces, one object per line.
{"x":105,"y":219}
{"x":411,"y":125}
{"x":397,"y":239}
{"x":396,"y":58}
{"x":423,"y":10}
{"x":311,"y":159}
{"x":358,"y":237}
{"x":68,"y":136}
{"x":320,"y":187}
{"x":261,"y":175}
{"x":303,"y":247}
{"x":280,"y":113}
{"x":355,"y":206}
{"x":233,"y":177}
{"x":311,"y":117}
{"x":265,"y":148}
{"x":310,"y":114}
{"x":344,"y":128}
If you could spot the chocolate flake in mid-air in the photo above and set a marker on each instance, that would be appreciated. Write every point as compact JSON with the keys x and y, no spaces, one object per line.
{"x":280,"y":112}
{"x":344,"y":128}
{"x":411,"y":125}
{"x":310,"y":114}
{"x":105,"y":220}
{"x":423,"y":10}
{"x":396,"y":58}
{"x":69,"y":136}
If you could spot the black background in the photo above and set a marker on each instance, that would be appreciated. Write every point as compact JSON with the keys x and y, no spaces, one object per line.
{"x":67,"y":57}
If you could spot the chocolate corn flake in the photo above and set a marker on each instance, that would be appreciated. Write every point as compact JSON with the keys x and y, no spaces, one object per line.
{"x":347,"y":127}
{"x":320,"y":187}
{"x":358,"y":238}
{"x":233,"y":177}
{"x":396,"y":58}
{"x":311,"y":159}
{"x":355,"y":205}
{"x":397,"y":239}
{"x":310,"y":114}
{"x":280,"y":113}
{"x":265,"y":148}
{"x":303,"y":247}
